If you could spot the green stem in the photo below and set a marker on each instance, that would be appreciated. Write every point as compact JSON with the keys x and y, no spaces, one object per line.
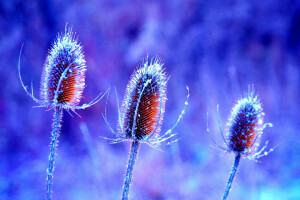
{"x":55,"y":133}
{"x":133,"y":153}
{"x":232,"y":174}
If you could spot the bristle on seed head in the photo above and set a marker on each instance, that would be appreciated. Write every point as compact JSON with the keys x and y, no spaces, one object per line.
{"x":144,"y":102}
{"x":245,"y":123}
{"x":63,"y":76}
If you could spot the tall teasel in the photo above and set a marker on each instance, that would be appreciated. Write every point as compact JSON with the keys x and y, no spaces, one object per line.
{"x":62,"y":84}
{"x":141,"y":114}
{"x":244,"y":128}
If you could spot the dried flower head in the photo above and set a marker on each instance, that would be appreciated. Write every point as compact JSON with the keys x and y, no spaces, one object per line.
{"x":144,"y":102}
{"x":245,"y":126}
{"x":63,"y":76}
{"x":143,"y":107}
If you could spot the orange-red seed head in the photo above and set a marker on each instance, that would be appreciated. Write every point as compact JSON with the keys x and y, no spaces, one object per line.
{"x":144,"y":102}
{"x":64,"y":72}
{"x":245,"y":123}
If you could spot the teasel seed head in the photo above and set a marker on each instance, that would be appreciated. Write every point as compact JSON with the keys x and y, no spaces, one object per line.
{"x":143,"y":106}
{"x":245,"y":124}
{"x":64,"y":70}
{"x":141,"y":114}
{"x":63,"y":77}
{"x":245,"y":127}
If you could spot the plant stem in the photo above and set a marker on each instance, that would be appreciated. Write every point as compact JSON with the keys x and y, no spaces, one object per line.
{"x":232,"y":173}
{"x":133,"y":152}
{"x":53,"y":144}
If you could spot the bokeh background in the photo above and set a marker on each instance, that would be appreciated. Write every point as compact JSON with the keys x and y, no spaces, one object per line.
{"x":217,"y":48}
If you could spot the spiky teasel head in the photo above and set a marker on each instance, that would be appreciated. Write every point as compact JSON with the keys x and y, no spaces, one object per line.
{"x":144,"y":102}
{"x":143,"y":107}
{"x":63,"y":76}
{"x":245,"y":126}
{"x":245,"y":123}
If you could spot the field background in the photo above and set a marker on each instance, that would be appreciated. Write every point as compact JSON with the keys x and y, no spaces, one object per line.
{"x":217,"y":48}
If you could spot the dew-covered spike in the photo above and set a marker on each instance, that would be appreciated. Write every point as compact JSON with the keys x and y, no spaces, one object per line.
{"x":245,"y":124}
{"x":144,"y":102}
{"x":63,"y":76}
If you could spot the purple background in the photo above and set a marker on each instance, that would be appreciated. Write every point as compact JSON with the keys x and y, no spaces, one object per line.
{"x":217,"y":48}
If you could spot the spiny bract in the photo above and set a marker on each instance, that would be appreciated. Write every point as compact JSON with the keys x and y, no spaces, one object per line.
{"x":63,"y":76}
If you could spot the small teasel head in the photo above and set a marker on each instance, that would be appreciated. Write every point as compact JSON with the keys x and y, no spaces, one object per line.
{"x":245,"y":124}
{"x":245,"y":127}
{"x":143,"y":106}
{"x":64,"y":70}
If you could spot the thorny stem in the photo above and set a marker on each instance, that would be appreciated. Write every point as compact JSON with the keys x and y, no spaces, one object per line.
{"x":53,"y":144}
{"x":232,"y":173}
{"x":133,"y":153}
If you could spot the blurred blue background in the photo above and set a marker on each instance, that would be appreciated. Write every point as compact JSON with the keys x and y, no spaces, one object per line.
{"x":217,"y":48}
